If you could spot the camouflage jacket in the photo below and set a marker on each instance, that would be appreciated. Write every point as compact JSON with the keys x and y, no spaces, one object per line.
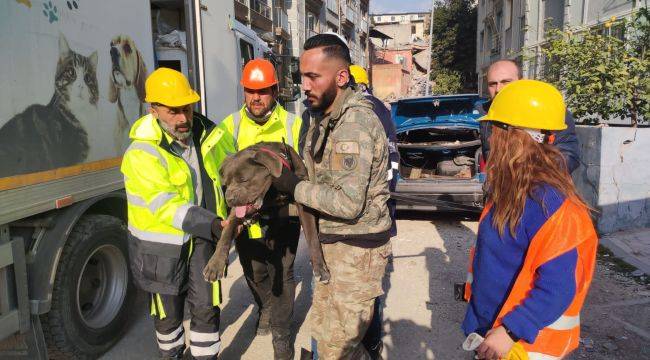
{"x":348,"y":186}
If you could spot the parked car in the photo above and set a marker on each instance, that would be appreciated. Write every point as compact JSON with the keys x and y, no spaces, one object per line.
{"x":440,"y":153}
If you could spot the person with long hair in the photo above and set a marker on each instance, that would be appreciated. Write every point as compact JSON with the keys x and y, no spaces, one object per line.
{"x":536,"y":245}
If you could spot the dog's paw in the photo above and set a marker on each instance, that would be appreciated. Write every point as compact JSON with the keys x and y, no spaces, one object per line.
{"x":322,"y":274}
{"x":213,"y":271}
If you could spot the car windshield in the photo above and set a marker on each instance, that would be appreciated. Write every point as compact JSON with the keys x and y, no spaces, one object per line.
{"x":435,"y":108}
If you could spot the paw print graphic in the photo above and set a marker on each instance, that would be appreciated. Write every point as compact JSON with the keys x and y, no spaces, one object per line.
{"x":50,"y":11}
{"x":73,"y":4}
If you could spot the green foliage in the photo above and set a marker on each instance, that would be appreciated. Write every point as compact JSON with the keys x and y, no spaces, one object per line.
{"x":602,"y":77}
{"x":454,"y":39}
{"x":446,"y":82}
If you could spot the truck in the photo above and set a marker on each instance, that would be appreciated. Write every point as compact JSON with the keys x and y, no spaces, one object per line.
{"x":72,"y":86}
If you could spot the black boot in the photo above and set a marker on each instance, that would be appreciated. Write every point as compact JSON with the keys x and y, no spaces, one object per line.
{"x":263,"y":327}
{"x":282,"y":344}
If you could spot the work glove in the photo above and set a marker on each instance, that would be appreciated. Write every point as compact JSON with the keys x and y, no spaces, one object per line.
{"x":286,"y":182}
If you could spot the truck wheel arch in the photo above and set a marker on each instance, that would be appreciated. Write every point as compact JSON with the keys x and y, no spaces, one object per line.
{"x":45,"y":256}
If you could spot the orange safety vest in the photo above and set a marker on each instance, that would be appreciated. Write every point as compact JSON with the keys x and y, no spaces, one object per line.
{"x":568,"y":228}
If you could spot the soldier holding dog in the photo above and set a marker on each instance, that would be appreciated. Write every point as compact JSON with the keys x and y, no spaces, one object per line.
{"x":346,"y":151}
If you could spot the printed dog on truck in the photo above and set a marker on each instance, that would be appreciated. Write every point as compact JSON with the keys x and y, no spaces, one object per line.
{"x":126,"y":84}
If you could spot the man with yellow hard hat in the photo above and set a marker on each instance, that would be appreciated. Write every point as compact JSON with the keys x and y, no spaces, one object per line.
{"x":267,"y":248}
{"x":175,"y":212}
{"x":501,"y":73}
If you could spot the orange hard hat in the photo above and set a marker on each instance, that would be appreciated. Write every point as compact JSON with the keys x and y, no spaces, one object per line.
{"x":258,"y":74}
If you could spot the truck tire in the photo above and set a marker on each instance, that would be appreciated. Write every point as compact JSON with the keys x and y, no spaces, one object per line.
{"x":93,"y":290}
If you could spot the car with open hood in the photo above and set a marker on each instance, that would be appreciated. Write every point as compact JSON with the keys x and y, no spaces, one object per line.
{"x":441,"y":165}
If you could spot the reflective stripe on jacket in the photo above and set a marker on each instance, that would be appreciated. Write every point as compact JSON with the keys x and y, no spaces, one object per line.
{"x":162,"y":215}
{"x":570,"y":227}
{"x":242,"y":132}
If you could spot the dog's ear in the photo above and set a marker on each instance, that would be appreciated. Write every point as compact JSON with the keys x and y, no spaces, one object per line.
{"x":223,"y":170}
{"x":112,"y":88}
{"x":141,"y":76}
{"x":269,"y":161}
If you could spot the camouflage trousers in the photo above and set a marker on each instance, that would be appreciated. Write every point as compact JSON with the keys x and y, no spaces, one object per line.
{"x":342,"y":309}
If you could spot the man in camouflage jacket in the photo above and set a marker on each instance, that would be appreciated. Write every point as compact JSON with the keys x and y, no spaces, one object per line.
{"x":346,"y":152}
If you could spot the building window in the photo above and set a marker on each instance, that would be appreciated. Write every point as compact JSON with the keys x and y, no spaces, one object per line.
{"x":509,"y":12}
{"x":311,"y":25}
{"x":522,"y":31}
{"x":499,"y":21}
{"x":247,"y":52}
{"x":311,"y":22}
{"x":412,"y":29}
{"x":481,"y":41}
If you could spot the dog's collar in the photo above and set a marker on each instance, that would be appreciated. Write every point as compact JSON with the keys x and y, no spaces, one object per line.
{"x":284,"y":161}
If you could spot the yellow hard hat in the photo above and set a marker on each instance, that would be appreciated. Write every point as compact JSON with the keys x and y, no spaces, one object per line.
{"x":170,"y":88}
{"x":360,"y":75}
{"x":528,"y":104}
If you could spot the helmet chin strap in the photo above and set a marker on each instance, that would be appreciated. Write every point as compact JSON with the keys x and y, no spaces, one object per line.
{"x":264,"y":118}
{"x":541,"y":136}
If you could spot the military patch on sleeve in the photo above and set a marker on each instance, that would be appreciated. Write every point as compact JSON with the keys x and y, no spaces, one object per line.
{"x":346,"y":147}
{"x":349,"y":162}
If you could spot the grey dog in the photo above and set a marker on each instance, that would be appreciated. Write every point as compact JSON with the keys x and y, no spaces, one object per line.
{"x":247,"y":176}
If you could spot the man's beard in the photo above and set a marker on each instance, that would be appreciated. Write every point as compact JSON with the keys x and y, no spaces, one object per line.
{"x":324,"y":101}
{"x":264,"y":114}
{"x":173,"y":131}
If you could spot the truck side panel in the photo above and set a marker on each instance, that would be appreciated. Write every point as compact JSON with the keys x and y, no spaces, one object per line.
{"x":219,"y":59}
{"x":73,"y":83}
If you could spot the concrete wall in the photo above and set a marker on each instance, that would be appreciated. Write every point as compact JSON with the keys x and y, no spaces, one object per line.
{"x":400,"y":34}
{"x":614,"y":176}
{"x":390,"y":80}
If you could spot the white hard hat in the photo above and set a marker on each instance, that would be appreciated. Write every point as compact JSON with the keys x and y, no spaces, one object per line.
{"x":345,"y":42}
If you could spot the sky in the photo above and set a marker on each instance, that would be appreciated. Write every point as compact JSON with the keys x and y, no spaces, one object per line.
{"x":394,"y":6}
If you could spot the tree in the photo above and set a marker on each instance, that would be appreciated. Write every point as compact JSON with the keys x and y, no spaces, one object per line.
{"x":454,"y":40}
{"x":602,"y":76}
{"x":446,"y":82}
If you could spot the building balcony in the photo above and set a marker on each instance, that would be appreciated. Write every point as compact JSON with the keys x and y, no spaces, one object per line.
{"x":363,"y":26}
{"x":350,"y":16}
{"x":241,"y":11}
{"x":261,"y":15}
{"x":315,"y":4}
{"x":333,"y":6}
{"x":281,"y":23}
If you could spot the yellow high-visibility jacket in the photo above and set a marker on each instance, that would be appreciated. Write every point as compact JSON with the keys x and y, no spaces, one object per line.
{"x":242,"y":132}
{"x":162,"y":215}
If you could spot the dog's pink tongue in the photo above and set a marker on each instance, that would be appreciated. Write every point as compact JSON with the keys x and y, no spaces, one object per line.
{"x":240,"y":211}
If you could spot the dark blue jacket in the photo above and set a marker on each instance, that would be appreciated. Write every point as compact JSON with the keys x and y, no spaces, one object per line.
{"x":393,"y":155}
{"x":565,"y":140}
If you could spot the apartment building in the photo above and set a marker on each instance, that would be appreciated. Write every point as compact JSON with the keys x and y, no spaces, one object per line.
{"x":346,"y":17}
{"x":403,"y":28}
{"x":269,"y":19}
{"x":510,"y":28}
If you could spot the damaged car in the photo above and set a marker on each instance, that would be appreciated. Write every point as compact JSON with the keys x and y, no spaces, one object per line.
{"x":441,"y":165}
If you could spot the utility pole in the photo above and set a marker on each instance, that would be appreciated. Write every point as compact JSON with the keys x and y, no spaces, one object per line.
{"x":428,"y":82}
